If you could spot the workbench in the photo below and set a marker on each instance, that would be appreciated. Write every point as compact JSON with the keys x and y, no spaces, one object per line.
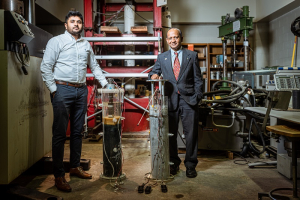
{"x":278,"y":118}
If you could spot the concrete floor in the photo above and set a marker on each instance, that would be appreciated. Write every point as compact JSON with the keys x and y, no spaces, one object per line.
{"x":218,"y":177}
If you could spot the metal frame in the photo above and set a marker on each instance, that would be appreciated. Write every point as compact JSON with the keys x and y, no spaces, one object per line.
{"x":122,"y":39}
{"x":121,"y":75}
{"x":95,"y":39}
{"x":126,"y":57}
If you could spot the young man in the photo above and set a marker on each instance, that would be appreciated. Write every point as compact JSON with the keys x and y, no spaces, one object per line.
{"x":180,"y":66}
{"x":64,"y":73}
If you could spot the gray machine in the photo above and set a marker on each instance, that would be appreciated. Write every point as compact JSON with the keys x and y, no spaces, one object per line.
{"x":257,"y":79}
{"x":213,"y":137}
{"x":159,"y":132}
{"x":221,"y":132}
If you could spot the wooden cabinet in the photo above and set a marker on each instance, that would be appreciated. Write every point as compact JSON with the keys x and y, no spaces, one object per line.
{"x":208,"y":54}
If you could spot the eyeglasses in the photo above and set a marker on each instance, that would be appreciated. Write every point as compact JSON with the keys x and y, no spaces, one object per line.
{"x":175,"y":37}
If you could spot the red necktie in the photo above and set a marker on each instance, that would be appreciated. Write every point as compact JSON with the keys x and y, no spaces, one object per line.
{"x":176,"y":67}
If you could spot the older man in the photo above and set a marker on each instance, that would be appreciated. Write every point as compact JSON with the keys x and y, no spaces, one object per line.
{"x":180,"y":66}
{"x":64,"y":73}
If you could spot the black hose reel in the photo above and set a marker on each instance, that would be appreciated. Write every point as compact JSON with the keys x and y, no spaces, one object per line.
{"x":295,"y":27}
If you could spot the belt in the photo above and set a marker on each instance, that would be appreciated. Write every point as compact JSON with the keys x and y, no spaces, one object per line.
{"x":70,"y":84}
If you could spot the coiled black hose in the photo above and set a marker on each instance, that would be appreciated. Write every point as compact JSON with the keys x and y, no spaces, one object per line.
{"x":234,"y":95}
{"x":260,"y":134}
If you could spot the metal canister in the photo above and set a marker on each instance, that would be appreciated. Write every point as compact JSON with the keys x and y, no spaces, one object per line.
{"x":13,"y":5}
{"x":229,"y":76}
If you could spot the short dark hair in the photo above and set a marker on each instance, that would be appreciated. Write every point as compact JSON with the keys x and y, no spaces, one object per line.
{"x":177,"y":30}
{"x":73,"y":13}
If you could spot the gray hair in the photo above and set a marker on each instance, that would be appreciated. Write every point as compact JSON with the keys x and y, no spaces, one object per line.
{"x":177,"y":30}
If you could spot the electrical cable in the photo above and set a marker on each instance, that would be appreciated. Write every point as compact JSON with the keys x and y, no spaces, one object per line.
{"x":146,"y":108}
{"x":243,"y":160}
{"x":113,"y":17}
{"x":19,"y":49}
{"x":260,"y":134}
{"x":181,"y":138}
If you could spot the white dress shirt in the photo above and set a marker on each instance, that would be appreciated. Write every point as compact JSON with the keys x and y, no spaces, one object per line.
{"x":66,"y":59}
{"x":173,"y":56}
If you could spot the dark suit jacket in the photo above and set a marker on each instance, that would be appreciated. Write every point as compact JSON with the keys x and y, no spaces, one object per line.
{"x":189,"y":81}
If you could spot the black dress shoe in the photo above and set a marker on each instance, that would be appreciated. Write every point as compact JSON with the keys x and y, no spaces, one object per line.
{"x":191,"y":172}
{"x":174,"y":169}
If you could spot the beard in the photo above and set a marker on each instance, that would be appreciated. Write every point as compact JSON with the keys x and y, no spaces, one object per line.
{"x":72,"y":31}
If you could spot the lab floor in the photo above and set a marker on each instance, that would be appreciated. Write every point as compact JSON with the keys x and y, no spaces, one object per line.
{"x":218,"y":177}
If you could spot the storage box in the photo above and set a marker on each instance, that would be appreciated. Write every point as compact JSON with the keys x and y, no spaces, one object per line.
{"x":284,"y":165}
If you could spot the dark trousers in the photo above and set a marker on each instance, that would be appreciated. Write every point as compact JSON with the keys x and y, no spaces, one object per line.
{"x":189,"y":118}
{"x":68,"y":103}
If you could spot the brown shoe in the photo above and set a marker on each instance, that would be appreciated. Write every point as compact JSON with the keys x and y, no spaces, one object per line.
{"x":62,"y":184}
{"x":78,"y":171}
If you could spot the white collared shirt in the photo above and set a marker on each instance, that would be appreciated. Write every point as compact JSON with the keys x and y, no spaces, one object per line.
{"x":173,"y":56}
{"x":66,"y":59}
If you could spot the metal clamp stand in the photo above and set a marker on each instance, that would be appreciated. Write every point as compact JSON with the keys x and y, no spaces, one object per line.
{"x":159,"y":132}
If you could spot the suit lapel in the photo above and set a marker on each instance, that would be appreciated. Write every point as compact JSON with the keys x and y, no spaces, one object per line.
{"x":168,"y":64}
{"x":185,"y":61}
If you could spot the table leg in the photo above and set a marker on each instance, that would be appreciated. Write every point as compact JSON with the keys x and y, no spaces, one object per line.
{"x":294,"y":165}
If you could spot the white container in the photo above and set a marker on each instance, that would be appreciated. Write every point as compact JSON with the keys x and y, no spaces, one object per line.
{"x":212,"y":75}
{"x":229,"y":76}
{"x":203,"y":69}
{"x":218,"y":75}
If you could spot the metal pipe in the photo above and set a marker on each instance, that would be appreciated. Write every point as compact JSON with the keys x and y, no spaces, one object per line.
{"x":223,"y":126}
{"x":29,"y":11}
{"x":159,"y":86}
{"x":121,"y":75}
{"x":234,"y":55}
{"x":246,"y":44}
{"x":224,"y":46}
{"x":126,"y":57}
{"x":163,"y":89}
{"x":98,"y":25}
{"x":94,"y":114}
{"x":122,"y":39}
{"x":296,"y":52}
{"x":13,"y":5}
{"x":137,"y":105}
{"x":147,"y":69}
{"x":294,"y":167}
{"x":159,"y":43}
{"x":246,"y":53}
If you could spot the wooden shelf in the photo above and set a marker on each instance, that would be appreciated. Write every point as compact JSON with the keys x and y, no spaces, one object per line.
{"x":229,"y":54}
{"x":238,"y":68}
{"x":215,"y":49}
{"x":211,"y":50}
